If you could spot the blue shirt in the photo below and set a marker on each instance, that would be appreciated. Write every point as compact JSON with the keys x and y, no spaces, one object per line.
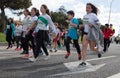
{"x":72,"y":31}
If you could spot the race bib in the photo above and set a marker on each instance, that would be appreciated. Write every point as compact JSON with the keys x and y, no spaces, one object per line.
{"x":40,"y":25}
{"x":8,"y":26}
{"x":85,"y":20}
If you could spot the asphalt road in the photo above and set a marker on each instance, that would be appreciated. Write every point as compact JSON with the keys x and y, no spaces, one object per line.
{"x":13,"y":66}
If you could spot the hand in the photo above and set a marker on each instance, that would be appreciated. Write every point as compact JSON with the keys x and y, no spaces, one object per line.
{"x":33,"y":34}
{"x":26,"y":32}
{"x":54,"y":34}
{"x":81,"y":26}
{"x":90,"y":24}
{"x":68,"y":21}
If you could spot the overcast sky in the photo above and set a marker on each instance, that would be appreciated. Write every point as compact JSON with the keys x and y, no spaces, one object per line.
{"x":79,"y":7}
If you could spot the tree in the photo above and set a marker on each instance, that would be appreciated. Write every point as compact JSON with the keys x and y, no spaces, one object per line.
{"x":1,"y":20}
{"x":62,"y":9}
{"x":80,"y":20}
{"x":60,"y":18}
{"x":13,"y":5}
{"x":102,"y":27}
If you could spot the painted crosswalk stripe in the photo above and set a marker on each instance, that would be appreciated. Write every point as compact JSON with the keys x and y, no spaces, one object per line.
{"x":75,"y":69}
{"x":76,"y":63}
{"x":115,"y":76}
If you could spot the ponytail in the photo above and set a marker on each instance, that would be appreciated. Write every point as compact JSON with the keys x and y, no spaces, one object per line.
{"x":94,"y":8}
{"x":36,"y":11}
{"x":47,"y":11}
{"x":46,"y":8}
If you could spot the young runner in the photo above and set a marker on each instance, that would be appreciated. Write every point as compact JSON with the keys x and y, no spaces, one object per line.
{"x":29,"y":31}
{"x":18,"y":32}
{"x":91,"y":31}
{"x":10,"y":32}
{"x":72,"y":34}
{"x":42,"y":36}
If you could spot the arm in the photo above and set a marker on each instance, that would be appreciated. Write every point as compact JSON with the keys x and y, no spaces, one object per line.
{"x":95,"y":21}
{"x":12,"y":27}
{"x":32,"y":26}
{"x":74,"y":25}
{"x":71,"y":24}
{"x":51,"y":24}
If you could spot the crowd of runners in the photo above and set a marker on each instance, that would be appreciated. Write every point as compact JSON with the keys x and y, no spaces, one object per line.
{"x":37,"y":31}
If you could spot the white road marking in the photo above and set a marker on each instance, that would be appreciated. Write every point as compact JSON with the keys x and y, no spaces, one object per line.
{"x":81,"y":70}
{"x":75,"y":69}
{"x":101,"y":58}
{"x":76,"y":63}
{"x":8,"y":52}
{"x":115,"y":76}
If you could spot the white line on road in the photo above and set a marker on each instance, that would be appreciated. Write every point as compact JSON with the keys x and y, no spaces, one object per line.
{"x":75,"y":69}
{"x":81,"y":70}
{"x":76,"y":63}
{"x":115,"y":76}
{"x":101,"y":58}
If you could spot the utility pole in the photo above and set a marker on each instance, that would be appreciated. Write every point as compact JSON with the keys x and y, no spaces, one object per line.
{"x":110,"y":11}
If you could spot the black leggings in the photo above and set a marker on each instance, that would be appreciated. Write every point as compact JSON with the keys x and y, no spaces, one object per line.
{"x":18,"y":39}
{"x":28,"y":38}
{"x":106,"y":44}
{"x":75,"y":43}
{"x":9,"y":40}
{"x":41,"y":38}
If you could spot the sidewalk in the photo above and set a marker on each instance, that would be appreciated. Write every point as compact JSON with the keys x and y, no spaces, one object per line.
{"x":3,"y":44}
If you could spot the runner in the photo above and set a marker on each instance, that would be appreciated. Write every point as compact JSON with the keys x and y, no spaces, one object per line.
{"x":91,"y":31}
{"x":72,"y":34}
{"x":18,"y":32}
{"x":107,"y":34}
{"x":29,"y":31}
{"x":26,"y":23}
{"x":10,"y":33}
{"x":42,"y":36}
{"x":56,"y":39}
{"x":111,"y":36}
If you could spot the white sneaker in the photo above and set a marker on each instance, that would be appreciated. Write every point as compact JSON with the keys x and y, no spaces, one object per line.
{"x":32,"y":59}
{"x":47,"y":57}
{"x":55,"y":50}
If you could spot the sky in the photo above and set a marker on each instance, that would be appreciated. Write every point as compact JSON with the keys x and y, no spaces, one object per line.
{"x":78,"y":6}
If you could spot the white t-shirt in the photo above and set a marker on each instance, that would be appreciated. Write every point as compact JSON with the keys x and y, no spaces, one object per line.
{"x":26,"y":22}
{"x":89,"y":18}
{"x":42,"y":26}
{"x":18,"y":30}
{"x":58,"y":31}
{"x":33,"y":19}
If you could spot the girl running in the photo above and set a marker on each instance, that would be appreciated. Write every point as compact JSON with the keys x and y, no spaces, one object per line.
{"x":18,"y":31}
{"x":91,"y":30}
{"x":29,"y":31}
{"x":56,"y":39}
{"x":10,"y":32}
{"x":42,"y":36}
{"x":26,"y":23}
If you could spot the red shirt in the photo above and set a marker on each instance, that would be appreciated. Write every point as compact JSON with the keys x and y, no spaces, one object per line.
{"x":107,"y":32}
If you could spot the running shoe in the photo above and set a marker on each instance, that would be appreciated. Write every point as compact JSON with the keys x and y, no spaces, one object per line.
{"x":26,"y":56}
{"x":24,"y":52}
{"x":99,"y":55}
{"x":47,"y":57}
{"x":82,"y":64}
{"x":67,"y":55}
{"x":32,"y":59}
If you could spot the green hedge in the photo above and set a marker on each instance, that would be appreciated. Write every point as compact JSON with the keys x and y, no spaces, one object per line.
{"x":2,"y":37}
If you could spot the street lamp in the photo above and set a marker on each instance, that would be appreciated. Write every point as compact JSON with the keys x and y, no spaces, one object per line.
{"x":110,"y":11}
